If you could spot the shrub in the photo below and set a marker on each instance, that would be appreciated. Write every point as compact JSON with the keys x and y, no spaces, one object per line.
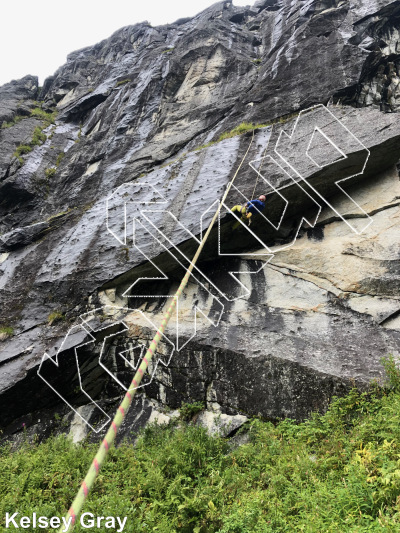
{"x":337,"y":472}
{"x":79,"y":134}
{"x":14,"y":121}
{"x":392,"y":370}
{"x":48,"y":118}
{"x":49,"y":172}
{"x":188,"y":410}
{"x":22,"y":149}
{"x":55,"y":316}
{"x":247,"y":126}
{"x":60,"y":157}
{"x":122,"y":82}
{"x":6,"y":332}
{"x":38,"y":137}
{"x":239,"y":130}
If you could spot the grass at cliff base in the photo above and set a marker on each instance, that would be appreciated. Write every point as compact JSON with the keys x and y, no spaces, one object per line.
{"x":333,"y":473}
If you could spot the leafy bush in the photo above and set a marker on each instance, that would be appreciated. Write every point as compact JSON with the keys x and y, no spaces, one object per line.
{"x":6,"y":332}
{"x":14,"y":121}
{"x":122,"y":82}
{"x":49,"y":172}
{"x":239,"y":130}
{"x":247,"y":126}
{"x":22,"y":149}
{"x":338,"y":472}
{"x":47,"y":117}
{"x":392,"y":372}
{"x":60,"y":157}
{"x":55,"y":316}
{"x":38,"y":137}
{"x":188,"y":410}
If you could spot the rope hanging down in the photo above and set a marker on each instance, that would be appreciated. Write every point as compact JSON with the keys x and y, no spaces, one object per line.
{"x":109,"y":439}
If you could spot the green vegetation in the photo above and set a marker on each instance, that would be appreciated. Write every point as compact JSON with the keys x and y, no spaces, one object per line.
{"x":38,"y":137}
{"x":51,"y":135}
{"x":122,"y":82}
{"x":49,"y":172}
{"x":248,"y":126}
{"x":6,"y":332}
{"x":60,"y":157}
{"x":22,"y":149}
{"x":211,"y":143}
{"x":181,"y":158}
{"x":257,"y":61}
{"x":239,"y":130}
{"x":392,"y":372}
{"x":12,"y":122}
{"x":47,"y":118}
{"x":188,"y":410}
{"x":61,"y":214}
{"x":167,"y":50}
{"x":54,"y":317}
{"x":79,"y":134}
{"x":334,"y":473}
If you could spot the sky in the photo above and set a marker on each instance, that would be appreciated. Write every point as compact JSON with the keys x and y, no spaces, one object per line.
{"x":36,"y":37}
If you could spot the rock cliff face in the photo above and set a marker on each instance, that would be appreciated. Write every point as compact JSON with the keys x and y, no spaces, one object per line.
{"x":133,"y":124}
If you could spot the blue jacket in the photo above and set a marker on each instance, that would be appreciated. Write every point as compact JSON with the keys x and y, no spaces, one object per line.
{"x":251,"y":206}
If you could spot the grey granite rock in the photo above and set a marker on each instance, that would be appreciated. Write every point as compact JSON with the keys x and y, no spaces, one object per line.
{"x":138,"y":117}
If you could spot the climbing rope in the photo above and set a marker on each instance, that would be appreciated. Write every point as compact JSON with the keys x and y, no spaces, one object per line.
{"x":109,"y":439}
{"x":259,"y":170}
{"x":111,"y":434}
{"x":258,"y":174}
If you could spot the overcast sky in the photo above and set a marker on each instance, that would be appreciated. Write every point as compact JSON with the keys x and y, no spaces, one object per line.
{"x":36,"y":37}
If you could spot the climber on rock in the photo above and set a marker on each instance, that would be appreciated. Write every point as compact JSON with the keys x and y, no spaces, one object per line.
{"x":249,"y":209}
